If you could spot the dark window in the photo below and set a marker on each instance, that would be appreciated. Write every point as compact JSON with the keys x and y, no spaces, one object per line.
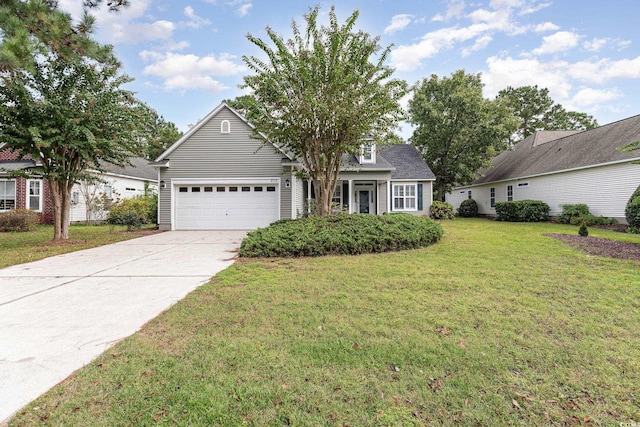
{"x":509,"y":193}
{"x":208,"y":189}
{"x":492,"y":192}
{"x":183,"y":189}
{"x":246,"y":188}
{"x":233,"y":189}
{"x":220,"y":189}
{"x":271,"y":188}
{"x":469,"y":194}
{"x":523,"y":184}
{"x":257,"y":188}
{"x":195,"y":189}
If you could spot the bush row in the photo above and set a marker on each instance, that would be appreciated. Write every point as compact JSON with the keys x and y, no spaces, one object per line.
{"x":579,"y":214}
{"x":19,"y":220}
{"x":342,"y":234}
{"x":522,"y":211}
{"x":134,"y":212}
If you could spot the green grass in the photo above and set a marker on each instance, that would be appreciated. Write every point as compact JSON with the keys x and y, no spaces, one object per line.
{"x":495,"y":325}
{"x":18,"y":248}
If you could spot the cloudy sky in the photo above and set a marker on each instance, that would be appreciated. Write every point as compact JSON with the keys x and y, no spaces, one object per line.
{"x":186,"y":56}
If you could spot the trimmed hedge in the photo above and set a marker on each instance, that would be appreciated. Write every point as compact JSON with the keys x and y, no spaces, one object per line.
{"x":19,"y":220}
{"x":522,"y":211}
{"x":342,"y":234}
{"x":442,"y":210}
{"x":468,"y":209}
{"x":632,"y":212}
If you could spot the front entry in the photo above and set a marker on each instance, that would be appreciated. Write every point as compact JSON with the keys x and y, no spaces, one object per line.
{"x":364,"y":201}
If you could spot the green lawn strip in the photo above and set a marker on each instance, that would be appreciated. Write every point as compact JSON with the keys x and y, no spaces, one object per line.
{"x":21,"y":247}
{"x":496,"y":324}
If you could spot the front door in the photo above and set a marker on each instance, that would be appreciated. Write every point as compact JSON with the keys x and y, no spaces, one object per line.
{"x":364,"y":196}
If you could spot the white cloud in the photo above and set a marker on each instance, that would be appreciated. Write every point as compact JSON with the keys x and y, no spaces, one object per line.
{"x":533,"y":8}
{"x":244,"y":9}
{"x":195,"y":20}
{"x":558,"y":42}
{"x":398,"y":22}
{"x":481,"y":43}
{"x":589,"y":96}
{"x":185,"y":72}
{"x":455,"y":9}
{"x":547,"y":26}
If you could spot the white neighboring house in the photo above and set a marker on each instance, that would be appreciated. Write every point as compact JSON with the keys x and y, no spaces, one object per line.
{"x":563,"y":167}
{"x":116,"y":183}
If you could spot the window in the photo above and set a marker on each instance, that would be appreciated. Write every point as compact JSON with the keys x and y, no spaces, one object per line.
{"x":337,"y":195}
{"x":130,"y":189}
{"x":404,"y":197}
{"x":469,"y":195}
{"x":225,"y":127}
{"x":523,"y":184}
{"x":509,"y":193}
{"x":195,"y":189}
{"x":208,"y":189}
{"x":368,"y":153}
{"x":220,"y":189}
{"x":7,"y":195}
{"x":233,"y":189}
{"x":492,"y":196}
{"x":75,"y":198}
{"x":108,"y":191}
{"x":257,"y":188}
{"x":271,"y":189}
{"x":34,"y":194}
{"x":246,"y":188}
{"x":183,"y":189}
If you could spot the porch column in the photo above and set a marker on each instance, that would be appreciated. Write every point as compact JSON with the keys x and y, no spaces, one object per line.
{"x":308,"y":196}
{"x":389,"y":195}
{"x":351,"y":196}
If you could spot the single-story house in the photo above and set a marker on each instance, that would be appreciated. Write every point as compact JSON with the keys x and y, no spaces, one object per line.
{"x":217,"y":176}
{"x":33,"y":192}
{"x":562,"y":167}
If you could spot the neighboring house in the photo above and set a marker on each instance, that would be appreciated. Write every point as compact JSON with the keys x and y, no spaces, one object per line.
{"x":218,"y":177}
{"x":563,"y":167}
{"x":33,"y":192}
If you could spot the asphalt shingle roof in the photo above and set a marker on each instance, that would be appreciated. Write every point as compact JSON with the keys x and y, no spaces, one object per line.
{"x":407,"y":161}
{"x":139,"y":168}
{"x":551,"y":151}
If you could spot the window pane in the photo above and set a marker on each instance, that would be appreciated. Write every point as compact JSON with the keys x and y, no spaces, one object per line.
{"x":208,"y":189}
{"x":220,"y":189}
{"x":271,"y":189}
{"x":233,"y":189}
{"x":257,"y":188}
{"x":195,"y":189}
{"x":398,"y":203}
{"x":411,"y":190}
{"x":246,"y":188}
{"x":411,"y":203}
{"x":181,"y":189}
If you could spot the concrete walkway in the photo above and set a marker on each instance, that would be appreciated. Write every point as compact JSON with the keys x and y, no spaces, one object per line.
{"x":58,"y":314}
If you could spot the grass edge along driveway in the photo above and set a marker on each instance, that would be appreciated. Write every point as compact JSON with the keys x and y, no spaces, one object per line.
{"x":495,"y":325}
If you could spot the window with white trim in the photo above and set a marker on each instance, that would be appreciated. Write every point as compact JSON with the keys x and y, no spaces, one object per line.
{"x":405,"y":197}
{"x":7,"y":194}
{"x":509,"y":193}
{"x":34,"y":194}
{"x":337,"y":195}
{"x":225,"y":126}
{"x":368,"y":153}
{"x":492,"y":196}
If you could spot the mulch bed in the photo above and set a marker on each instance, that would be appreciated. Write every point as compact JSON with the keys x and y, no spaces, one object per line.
{"x":601,"y":247}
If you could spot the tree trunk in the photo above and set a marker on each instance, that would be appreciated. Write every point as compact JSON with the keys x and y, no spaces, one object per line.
{"x":441,"y":191}
{"x":61,"y":200}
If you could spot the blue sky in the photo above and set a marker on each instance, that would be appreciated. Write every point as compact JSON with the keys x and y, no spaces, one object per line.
{"x":186,"y":56}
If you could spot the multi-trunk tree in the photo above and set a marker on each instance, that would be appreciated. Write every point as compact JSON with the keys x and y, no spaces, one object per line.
{"x":320,"y":93}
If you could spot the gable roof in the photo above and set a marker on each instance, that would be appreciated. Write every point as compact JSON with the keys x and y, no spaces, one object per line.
{"x":407,"y":161}
{"x":547,"y":152}
{"x":162,"y":157}
{"x":139,"y":168}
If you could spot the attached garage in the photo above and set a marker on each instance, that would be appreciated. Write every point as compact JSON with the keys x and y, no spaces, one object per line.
{"x":226,"y":206}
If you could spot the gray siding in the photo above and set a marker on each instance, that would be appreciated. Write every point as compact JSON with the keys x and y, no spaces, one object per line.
{"x":285,"y":197}
{"x":210,"y":154}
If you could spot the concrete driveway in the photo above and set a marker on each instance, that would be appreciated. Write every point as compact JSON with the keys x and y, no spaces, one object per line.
{"x":58,"y":314}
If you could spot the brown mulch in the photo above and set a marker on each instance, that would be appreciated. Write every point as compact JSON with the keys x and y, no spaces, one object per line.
{"x":601,"y":247}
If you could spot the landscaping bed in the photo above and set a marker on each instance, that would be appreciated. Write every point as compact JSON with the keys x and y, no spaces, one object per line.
{"x":601,"y":247}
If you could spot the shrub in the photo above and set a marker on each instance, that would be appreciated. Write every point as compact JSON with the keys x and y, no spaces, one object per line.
{"x":19,"y":220}
{"x":571,"y":212}
{"x":632,"y":212}
{"x":522,"y":211}
{"x":342,"y":234}
{"x":441,"y":210}
{"x":583,"y":231}
{"x":468,"y":209}
{"x":135,"y":212}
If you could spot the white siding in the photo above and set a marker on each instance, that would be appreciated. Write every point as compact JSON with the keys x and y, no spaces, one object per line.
{"x":605,"y":189}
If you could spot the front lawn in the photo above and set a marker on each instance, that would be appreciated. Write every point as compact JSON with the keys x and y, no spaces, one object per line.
{"x":18,"y":248}
{"x":495,"y":325}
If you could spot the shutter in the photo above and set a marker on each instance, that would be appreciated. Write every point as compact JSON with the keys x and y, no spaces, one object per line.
{"x":391,"y":196}
{"x":345,"y":194}
{"x":420,"y":203}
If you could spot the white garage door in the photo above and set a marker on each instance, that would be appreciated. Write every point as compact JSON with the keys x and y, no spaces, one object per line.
{"x":226,"y":206}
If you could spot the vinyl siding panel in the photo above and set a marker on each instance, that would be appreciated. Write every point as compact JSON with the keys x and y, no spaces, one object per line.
{"x":122,"y":188}
{"x":210,"y":154}
{"x":300,"y":191}
{"x":382,"y":198}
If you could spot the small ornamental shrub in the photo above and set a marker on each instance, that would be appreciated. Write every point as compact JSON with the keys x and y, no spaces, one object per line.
{"x":468,"y":209}
{"x":19,"y":220}
{"x":134,"y":213}
{"x":522,"y":211}
{"x":442,"y":210}
{"x":579,"y":214}
{"x":583,"y":231}
{"x":632,"y":212}
{"x":341,"y":234}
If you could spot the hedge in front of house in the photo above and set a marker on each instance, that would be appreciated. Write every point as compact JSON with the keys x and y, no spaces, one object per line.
{"x":19,"y":220}
{"x":468,"y":209}
{"x":632,"y":212}
{"x":342,"y":234}
{"x":522,"y":211}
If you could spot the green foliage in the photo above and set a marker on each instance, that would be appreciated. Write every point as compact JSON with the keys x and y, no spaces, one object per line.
{"x":442,"y":210}
{"x":320,"y":93}
{"x":19,"y":220}
{"x":134,"y":212}
{"x":341,"y":234}
{"x":536,"y":111}
{"x":569,"y":212}
{"x":468,"y":209}
{"x":158,"y":134}
{"x":583,"y":231}
{"x":457,"y":130}
{"x":632,"y":212}
{"x":522,"y":211}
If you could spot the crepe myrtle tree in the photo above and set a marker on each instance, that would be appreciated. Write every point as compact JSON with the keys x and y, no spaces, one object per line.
{"x":320,"y":93}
